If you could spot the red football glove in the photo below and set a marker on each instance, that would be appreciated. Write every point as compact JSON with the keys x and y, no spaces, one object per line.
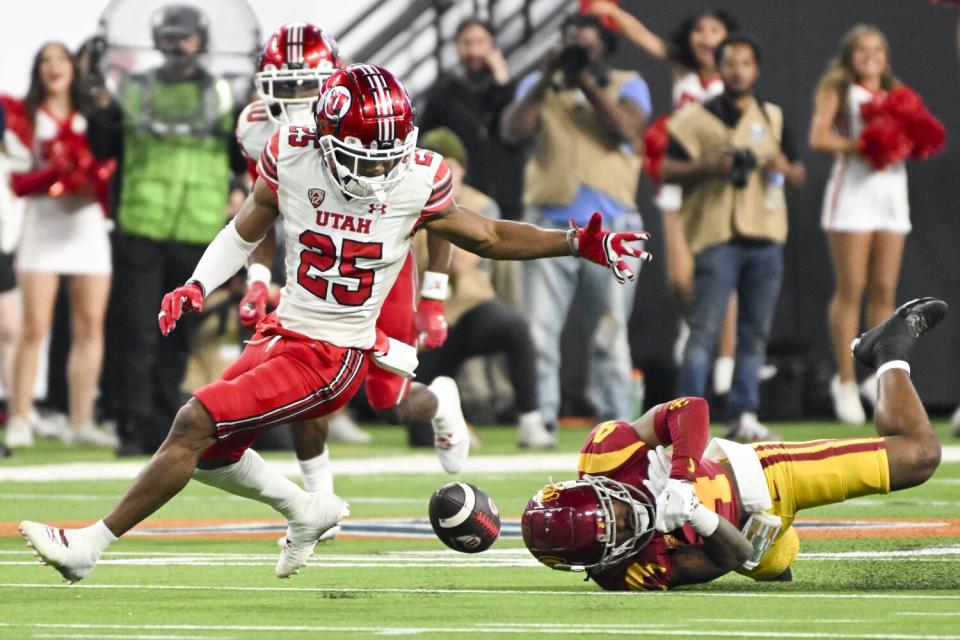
{"x":189,"y":297}
{"x":431,"y":325}
{"x":254,"y":304}
{"x":607,"y":248}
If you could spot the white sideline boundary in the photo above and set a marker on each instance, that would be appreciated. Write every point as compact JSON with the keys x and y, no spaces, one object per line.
{"x":418,"y":464}
{"x":636,"y":629}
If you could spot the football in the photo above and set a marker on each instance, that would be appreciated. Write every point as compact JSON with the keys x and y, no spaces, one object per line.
{"x":464,"y":517}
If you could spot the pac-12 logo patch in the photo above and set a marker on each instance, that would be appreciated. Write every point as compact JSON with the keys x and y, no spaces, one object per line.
{"x":336,"y":102}
{"x":316,"y":196}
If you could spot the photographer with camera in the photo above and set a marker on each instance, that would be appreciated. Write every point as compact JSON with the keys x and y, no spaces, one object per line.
{"x":732,"y":156}
{"x":584,"y":122}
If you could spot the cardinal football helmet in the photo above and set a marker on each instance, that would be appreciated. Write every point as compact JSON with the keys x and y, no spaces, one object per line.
{"x":365,"y":118}
{"x":293,"y":64}
{"x":572,"y":525}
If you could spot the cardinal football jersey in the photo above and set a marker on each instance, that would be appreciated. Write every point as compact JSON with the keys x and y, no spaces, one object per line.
{"x":613,"y":449}
{"x":342,"y":254}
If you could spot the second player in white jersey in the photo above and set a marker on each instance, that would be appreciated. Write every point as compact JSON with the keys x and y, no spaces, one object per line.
{"x":343,"y":254}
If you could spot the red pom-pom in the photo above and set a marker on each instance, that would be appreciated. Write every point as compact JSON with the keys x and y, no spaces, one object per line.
{"x":899,"y":126}
{"x":874,"y":107}
{"x":903,"y":103}
{"x":655,"y":142}
{"x":884,"y":141}
{"x":927,"y":134}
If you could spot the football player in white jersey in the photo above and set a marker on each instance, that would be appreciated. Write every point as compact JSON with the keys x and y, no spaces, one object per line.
{"x":352,"y":192}
{"x":294,"y":61}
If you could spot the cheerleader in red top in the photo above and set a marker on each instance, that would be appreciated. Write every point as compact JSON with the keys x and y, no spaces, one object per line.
{"x":866,"y":215}
{"x":64,"y":234}
{"x":690,"y":56}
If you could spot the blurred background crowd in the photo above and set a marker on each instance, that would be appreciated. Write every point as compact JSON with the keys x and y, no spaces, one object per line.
{"x":768,"y":147}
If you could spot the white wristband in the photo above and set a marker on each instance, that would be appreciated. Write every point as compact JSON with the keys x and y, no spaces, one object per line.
{"x":257,"y":272}
{"x":223,"y":257}
{"x":704,"y":521}
{"x":435,"y":285}
{"x":893,"y":364}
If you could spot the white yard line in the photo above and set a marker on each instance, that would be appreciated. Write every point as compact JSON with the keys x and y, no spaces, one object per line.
{"x":638,"y":629}
{"x":493,"y":592}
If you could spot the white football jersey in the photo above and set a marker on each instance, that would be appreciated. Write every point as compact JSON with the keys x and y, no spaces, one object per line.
{"x":343,"y":255}
{"x":254,"y":129}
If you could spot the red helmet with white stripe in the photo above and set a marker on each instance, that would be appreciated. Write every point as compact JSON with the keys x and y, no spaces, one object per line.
{"x":294,"y":62}
{"x":365,"y":124}
{"x":572,"y":525}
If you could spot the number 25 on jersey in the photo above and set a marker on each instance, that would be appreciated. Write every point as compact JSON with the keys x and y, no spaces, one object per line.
{"x":321,"y":254}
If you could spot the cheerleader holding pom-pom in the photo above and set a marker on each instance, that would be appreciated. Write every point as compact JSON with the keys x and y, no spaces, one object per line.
{"x":871,"y":123}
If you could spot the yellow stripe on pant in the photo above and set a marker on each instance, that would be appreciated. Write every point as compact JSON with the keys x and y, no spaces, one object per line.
{"x":802,"y":475}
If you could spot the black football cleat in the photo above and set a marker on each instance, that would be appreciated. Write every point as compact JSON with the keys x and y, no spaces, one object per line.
{"x":893,"y":339}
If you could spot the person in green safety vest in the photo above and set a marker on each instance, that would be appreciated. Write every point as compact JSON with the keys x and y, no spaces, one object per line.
{"x":172,"y":130}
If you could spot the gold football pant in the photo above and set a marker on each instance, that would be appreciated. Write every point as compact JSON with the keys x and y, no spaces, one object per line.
{"x":801,"y":475}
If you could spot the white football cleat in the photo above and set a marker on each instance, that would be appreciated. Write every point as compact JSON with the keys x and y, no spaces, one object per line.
{"x":63,"y":549}
{"x":450,"y":434}
{"x":19,"y":434}
{"x":327,"y":536}
{"x":323,"y":512}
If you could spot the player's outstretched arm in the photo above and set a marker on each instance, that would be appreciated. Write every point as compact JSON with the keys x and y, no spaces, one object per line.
{"x":226,"y":255}
{"x":508,"y":240}
{"x":721,"y":552}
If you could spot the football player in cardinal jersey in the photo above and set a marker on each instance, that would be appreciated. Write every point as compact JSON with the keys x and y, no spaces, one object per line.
{"x":352,"y":192}
{"x":293,"y":64}
{"x":639,"y":518}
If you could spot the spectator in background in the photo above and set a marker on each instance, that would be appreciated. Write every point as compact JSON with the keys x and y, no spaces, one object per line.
{"x":470,"y":104}
{"x":172,"y":129}
{"x":585,"y":122}
{"x":65,"y":233}
{"x":689,"y":54}
{"x":9,"y":311}
{"x":732,"y":155}
{"x":866,"y":212}
{"x":479,"y":323}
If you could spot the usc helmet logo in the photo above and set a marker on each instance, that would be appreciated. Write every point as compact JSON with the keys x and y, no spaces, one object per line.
{"x":549,"y":492}
{"x":336,"y":102}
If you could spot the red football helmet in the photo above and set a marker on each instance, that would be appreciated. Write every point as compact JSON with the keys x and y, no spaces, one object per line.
{"x":293,"y":64}
{"x":365,"y":127}
{"x":572,"y":525}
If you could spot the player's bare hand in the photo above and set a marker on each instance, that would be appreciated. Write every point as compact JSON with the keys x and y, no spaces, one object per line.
{"x":608,"y":248}
{"x":189,"y":297}
{"x":253,"y":306}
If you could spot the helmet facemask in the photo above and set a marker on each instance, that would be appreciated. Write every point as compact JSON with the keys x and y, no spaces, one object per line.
{"x":291,"y":94}
{"x":640,"y":516}
{"x":345,"y":160}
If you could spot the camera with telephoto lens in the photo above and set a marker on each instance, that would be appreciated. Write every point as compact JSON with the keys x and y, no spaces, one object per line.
{"x":744,"y":161}
{"x":573,"y":59}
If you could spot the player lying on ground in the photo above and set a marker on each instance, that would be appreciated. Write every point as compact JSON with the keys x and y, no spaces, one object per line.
{"x":641,"y":519}
{"x":351,"y":192}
